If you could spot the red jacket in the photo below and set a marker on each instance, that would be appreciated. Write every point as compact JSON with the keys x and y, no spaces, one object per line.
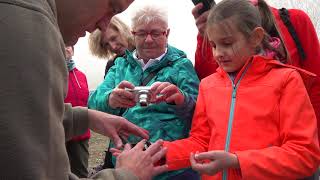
{"x":78,"y":94}
{"x":269,"y":118}
{"x":205,"y":63}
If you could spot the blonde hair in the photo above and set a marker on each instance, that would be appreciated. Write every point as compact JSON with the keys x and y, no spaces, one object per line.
{"x":95,"y":39}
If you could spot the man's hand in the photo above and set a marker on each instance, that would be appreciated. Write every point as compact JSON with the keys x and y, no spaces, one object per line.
{"x":201,"y":19}
{"x":140,"y":162}
{"x":114,"y":126}
{"x":120,"y":98}
{"x":170,"y":93}
{"x":218,"y":160}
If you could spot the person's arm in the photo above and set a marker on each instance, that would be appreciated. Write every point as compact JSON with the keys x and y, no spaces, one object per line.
{"x":309,"y":40}
{"x":298,"y":154}
{"x":200,"y":19}
{"x":179,"y":151}
{"x":75,"y":121}
{"x":33,"y":76}
{"x":311,"y":46}
{"x":99,"y":99}
{"x":188,"y":84}
{"x":205,"y":64}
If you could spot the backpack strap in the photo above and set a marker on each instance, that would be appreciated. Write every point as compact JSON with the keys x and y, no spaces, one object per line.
{"x":285,"y":17}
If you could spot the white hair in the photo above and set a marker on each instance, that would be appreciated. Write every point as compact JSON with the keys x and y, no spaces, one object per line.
{"x":148,"y":14}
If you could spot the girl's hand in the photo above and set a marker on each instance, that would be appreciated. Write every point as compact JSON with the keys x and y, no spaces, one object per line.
{"x":114,"y":127}
{"x":218,"y":160}
{"x":170,"y":93}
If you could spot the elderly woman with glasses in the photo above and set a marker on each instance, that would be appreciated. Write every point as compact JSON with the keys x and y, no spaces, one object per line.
{"x":170,"y":79}
{"x":112,"y":43}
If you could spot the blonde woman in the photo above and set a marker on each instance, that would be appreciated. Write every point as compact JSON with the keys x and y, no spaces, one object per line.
{"x":112,"y":43}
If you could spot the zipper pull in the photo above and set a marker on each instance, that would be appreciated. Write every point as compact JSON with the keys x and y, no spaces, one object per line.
{"x":234,"y":92}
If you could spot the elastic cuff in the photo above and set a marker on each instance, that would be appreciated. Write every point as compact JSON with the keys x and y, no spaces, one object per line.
{"x":80,"y":120}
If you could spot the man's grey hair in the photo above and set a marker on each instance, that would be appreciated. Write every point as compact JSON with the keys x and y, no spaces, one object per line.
{"x":149,"y":14}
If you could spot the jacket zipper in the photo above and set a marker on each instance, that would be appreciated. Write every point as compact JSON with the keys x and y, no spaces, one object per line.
{"x":231,"y":118}
{"x":230,"y":122}
{"x":74,"y":74}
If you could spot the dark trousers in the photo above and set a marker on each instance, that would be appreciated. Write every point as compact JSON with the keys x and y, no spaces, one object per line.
{"x":108,"y":160}
{"x":186,"y":175}
{"x":78,"y":157}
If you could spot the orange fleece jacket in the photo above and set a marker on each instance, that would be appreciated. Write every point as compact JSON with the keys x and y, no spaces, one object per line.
{"x":273,"y":130}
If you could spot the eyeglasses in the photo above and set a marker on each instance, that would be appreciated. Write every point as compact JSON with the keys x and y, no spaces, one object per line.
{"x":154,"y":34}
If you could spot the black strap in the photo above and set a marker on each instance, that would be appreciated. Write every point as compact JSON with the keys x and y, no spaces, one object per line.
{"x":285,"y":17}
{"x":147,"y":79}
{"x":151,"y":75}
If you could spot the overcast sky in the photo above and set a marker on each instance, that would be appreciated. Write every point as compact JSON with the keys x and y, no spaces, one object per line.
{"x":183,"y":32}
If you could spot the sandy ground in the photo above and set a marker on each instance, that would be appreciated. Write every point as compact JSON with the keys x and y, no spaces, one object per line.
{"x":97,"y":146}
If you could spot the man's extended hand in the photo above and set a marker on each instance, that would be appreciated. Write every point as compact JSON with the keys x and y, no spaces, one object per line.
{"x":114,"y":126}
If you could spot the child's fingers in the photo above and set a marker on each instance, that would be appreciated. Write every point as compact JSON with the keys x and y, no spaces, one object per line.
{"x":159,"y":155}
{"x":116,"y":154}
{"x":205,"y":155}
{"x":127,"y":147}
{"x":195,"y":165}
{"x":192,"y":159}
{"x":114,"y":150}
{"x":140,"y":145}
{"x":155,"y":147}
{"x":202,"y":168}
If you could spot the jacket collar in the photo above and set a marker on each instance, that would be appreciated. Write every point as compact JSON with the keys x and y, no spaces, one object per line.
{"x":170,"y":57}
{"x":258,"y":65}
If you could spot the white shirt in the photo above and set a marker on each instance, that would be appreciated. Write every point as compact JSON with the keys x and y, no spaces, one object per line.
{"x":150,"y":62}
